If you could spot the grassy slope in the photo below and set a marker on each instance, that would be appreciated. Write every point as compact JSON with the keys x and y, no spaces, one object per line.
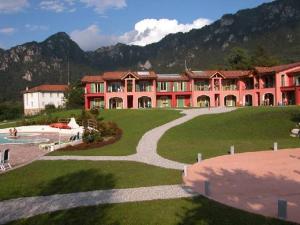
{"x":134,"y":124}
{"x":198,"y":211}
{"x":56,"y":177}
{"x":248,"y":129}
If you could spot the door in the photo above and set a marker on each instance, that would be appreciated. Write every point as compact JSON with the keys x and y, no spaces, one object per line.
{"x":180,"y":101}
{"x":130,"y":102}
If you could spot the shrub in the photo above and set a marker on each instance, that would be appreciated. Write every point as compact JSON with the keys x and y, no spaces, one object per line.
{"x":50,"y":108}
{"x":91,"y":136}
{"x":95,"y":111}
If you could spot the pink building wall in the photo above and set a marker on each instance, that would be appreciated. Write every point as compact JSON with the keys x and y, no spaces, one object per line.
{"x":258,"y":92}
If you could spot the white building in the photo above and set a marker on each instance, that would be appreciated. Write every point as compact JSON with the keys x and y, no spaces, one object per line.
{"x":35,"y":99}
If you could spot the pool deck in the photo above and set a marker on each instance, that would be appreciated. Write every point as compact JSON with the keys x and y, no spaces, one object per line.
{"x":252,"y":181}
{"x":21,"y":154}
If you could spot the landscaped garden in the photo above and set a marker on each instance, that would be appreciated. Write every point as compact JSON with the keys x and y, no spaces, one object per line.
{"x":248,"y":129}
{"x":197,"y":211}
{"x":134,"y":123}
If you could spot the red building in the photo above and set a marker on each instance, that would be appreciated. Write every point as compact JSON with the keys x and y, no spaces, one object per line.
{"x":279,"y":85}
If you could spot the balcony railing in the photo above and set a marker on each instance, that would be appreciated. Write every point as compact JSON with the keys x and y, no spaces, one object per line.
{"x":232,"y":87}
{"x":202,"y":88}
{"x":117,"y":89}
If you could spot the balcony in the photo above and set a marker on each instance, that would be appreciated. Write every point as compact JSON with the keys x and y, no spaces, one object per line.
{"x":111,"y":89}
{"x":231,"y":87}
{"x":269,"y":85}
{"x":202,"y":88}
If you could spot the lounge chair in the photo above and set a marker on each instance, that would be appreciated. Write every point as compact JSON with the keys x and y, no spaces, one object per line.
{"x":4,"y":160}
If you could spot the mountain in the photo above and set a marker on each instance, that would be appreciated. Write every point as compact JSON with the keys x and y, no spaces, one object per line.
{"x":275,"y":26}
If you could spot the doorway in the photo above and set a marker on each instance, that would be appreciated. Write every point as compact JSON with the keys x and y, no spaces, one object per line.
{"x":130,"y":102}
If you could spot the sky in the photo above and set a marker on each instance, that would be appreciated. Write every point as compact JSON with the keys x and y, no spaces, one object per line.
{"x":96,"y":23}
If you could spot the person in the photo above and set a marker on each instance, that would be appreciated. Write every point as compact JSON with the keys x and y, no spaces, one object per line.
{"x":15,"y":132}
{"x":10,"y":132}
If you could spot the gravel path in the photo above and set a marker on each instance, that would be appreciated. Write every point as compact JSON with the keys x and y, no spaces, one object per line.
{"x":147,"y":146}
{"x":27,"y":207}
{"x":146,"y":153}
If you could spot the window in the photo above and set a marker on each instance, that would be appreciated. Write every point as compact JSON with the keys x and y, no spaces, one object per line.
{"x":50,"y":95}
{"x":143,"y":86}
{"x":163,"y":86}
{"x":43,"y":94}
{"x":57,"y":94}
{"x":115,"y":87}
{"x":202,"y":85}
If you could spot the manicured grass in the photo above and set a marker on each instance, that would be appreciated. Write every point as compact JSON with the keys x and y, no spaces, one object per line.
{"x":134,"y":124}
{"x":248,"y":129}
{"x":197,"y":211}
{"x":56,"y":177}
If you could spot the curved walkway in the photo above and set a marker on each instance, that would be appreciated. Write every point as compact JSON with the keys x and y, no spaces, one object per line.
{"x":252,"y":181}
{"x":146,"y":153}
{"x":147,"y":146}
{"x":27,"y":207}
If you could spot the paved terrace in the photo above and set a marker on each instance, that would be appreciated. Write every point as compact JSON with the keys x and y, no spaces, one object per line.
{"x":252,"y":181}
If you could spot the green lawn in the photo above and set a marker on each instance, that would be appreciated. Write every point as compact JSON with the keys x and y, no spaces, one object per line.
{"x":248,"y":129}
{"x":56,"y":177}
{"x":134,"y":124}
{"x":197,"y":211}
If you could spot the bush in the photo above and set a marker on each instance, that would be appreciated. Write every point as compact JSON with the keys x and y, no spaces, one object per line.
{"x":50,"y":108}
{"x":108,"y":129}
{"x":95,"y":112}
{"x":10,"y":110}
{"x":91,"y":136}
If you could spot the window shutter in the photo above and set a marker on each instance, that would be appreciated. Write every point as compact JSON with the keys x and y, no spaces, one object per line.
{"x":175,"y":86}
{"x":93,"y":88}
{"x":148,"y":87}
{"x":184,"y":86}
{"x":167,"y":86}
{"x":101,"y":87}
{"x":158,"y":86}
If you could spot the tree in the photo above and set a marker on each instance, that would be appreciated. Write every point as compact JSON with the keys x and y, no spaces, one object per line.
{"x":75,"y":96}
{"x":238,"y":59}
{"x":262,"y":58}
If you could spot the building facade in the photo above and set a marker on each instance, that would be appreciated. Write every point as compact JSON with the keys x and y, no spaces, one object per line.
{"x":279,"y":85}
{"x":35,"y":99}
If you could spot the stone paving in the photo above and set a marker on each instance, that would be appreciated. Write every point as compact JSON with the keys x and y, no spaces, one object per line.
{"x":147,"y":146}
{"x":27,"y":207}
{"x":22,"y":154}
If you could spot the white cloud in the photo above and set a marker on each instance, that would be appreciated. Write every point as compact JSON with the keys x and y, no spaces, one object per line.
{"x":101,"y":5}
{"x":53,"y":5}
{"x":91,"y":38}
{"x":7,"y":30}
{"x":10,"y":6}
{"x":33,"y":27}
{"x":145,"y":32}
{"x":149,"y":31}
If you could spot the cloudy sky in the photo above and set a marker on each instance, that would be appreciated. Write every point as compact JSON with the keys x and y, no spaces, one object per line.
{"x":96,"y":23}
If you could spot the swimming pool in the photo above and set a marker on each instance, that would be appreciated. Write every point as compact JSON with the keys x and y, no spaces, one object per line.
{"x":23,"y":138}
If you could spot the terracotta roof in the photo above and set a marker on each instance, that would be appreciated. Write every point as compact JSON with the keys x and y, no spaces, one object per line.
{"x":172,"y":77}
{"x":276,"y":69}
{"x":224,"y":73}
{"x":118,"y":75}
{"x":89,"y":79}
{"x":48,"y":88}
